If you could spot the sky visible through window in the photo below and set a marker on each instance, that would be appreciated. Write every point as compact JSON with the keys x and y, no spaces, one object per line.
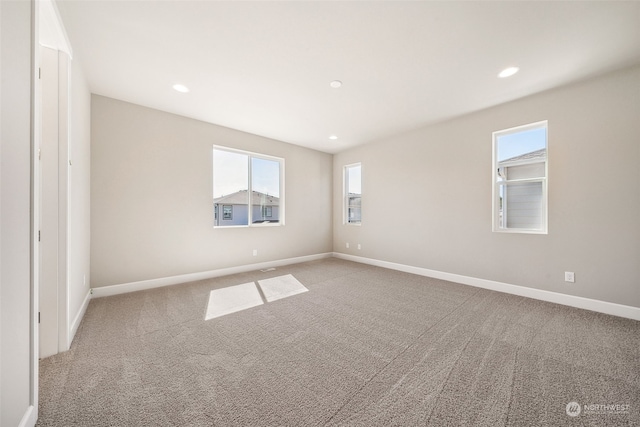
{"x":231,"y":172}
{"x":518,"y":143}
{"x":265,"y":176}
{"x":354,"y":179}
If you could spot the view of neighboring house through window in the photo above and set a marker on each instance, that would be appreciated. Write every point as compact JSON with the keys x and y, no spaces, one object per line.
{"x":353,"y":193}
{"x":247,"y":188}
{"x":520,"y":179}
{"x":227,"y":212}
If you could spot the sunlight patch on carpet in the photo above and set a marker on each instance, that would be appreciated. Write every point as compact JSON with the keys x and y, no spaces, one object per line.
{"x":232,"y":299}
{"x":281,"y":287}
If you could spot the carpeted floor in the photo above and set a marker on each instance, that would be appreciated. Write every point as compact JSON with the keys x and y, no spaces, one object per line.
{"x":365,"y":346}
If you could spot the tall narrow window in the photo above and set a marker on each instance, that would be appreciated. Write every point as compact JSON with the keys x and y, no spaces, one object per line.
{"x":353,"y":194}
{"x":520,"y":179}
{"x":247,"y":188}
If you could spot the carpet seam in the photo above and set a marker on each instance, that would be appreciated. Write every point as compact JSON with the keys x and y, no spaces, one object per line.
{"x":449,"y":374}
{"x":513,"y":380}
{"x":400,"y":354}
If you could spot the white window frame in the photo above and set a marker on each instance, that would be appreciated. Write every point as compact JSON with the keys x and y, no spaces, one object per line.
{"x":251,"y":155}
{"x":544,"y":180}
{"x":345,"y":194}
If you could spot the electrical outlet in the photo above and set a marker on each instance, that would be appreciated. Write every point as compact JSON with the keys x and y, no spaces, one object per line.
{"x":359,"y":246}
{"x":347,"y":245}
{"x":255,"y":252}
{"x":569,"y":276}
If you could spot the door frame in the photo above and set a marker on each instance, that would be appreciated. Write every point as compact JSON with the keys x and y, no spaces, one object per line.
{"x":51,"y":34}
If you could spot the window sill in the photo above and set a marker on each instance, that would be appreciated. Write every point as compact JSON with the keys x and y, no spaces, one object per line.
{"x":519,"y":231}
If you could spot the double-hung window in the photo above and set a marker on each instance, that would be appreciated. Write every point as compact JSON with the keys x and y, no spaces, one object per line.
{"x":248,"y":188}
{"x":520,"y":158}
{"x":353,"y":194}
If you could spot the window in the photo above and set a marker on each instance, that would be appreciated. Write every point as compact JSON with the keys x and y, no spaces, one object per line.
{"x":520,"y":179}
{"x":227,"y":212}
{"x":353,"y":194}
{"x":248,"y":187}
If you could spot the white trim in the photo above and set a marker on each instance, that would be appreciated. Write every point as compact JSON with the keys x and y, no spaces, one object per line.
{"x":523,"y":128}
{"x":345,"y":194}
{"x":281,"y":191}
{"x":64,"y":202}
{"x":539,"y":294}
{"x":614,"y":309}
{"x":76,"y":321}
{"x":495,"y":227}
{"x":123,"y":288}
{"x":31,"y":414}
{"x":246,"y":152}
{"x":29,"y":418}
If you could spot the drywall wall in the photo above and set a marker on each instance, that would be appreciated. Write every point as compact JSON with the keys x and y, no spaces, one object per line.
{"x":16,"y":402}
{"x":1,"y":192}
{"x":427,"y":195}
{"x":79,"y":194}
{"x":152,"y":197}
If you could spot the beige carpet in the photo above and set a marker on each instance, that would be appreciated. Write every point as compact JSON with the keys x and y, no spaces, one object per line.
{"x":364,"y":346}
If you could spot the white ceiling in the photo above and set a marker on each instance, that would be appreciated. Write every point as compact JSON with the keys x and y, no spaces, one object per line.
{"x":264,"y":67}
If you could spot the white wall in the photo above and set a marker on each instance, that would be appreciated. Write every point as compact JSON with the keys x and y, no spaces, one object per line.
{"x":15,"y":214}
{"x":152,"y":197}
{"x":79,"y":195}
{"x":1,"y":136}
{"x":427,"y":195}
{"x":65,"y":186}
{"x":18,"y":402}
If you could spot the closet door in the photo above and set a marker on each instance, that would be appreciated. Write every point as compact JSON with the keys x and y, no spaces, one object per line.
{"x":54,"y":182}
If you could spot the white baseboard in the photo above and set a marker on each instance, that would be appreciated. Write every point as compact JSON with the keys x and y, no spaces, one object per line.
{"x":76,"y":321}
{"x":555,"y":297}
{"x":29,"y":418}
{"x":105,"y":291}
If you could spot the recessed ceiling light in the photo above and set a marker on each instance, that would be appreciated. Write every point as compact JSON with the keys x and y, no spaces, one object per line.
{"x":335,"y":84}
{"x":508,"y":72}
{"x":181,"y":88}
{"x":333,"y":137}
